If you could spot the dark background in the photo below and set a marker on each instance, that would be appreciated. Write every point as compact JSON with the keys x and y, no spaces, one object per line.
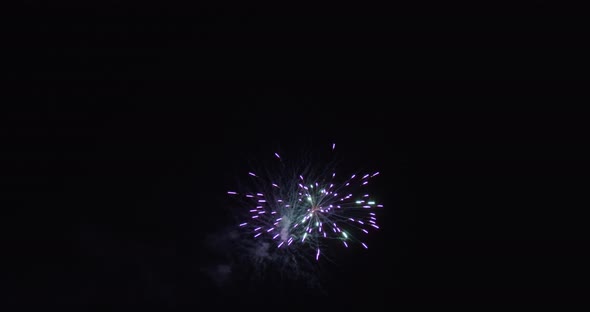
{"x":126,"y":124}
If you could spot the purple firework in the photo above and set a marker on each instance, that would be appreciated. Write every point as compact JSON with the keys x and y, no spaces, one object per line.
{"x":303,"y":208}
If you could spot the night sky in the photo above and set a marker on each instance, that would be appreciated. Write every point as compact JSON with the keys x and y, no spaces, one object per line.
{"x":130,"y":123}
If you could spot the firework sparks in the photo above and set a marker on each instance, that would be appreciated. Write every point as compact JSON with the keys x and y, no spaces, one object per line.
{"x":307,"y":209}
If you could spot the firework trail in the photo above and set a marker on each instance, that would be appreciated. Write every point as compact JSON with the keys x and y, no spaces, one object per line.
{"x":299,"y":213}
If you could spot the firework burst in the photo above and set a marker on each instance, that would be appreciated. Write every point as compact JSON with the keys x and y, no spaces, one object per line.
{"x":295,"y":210}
